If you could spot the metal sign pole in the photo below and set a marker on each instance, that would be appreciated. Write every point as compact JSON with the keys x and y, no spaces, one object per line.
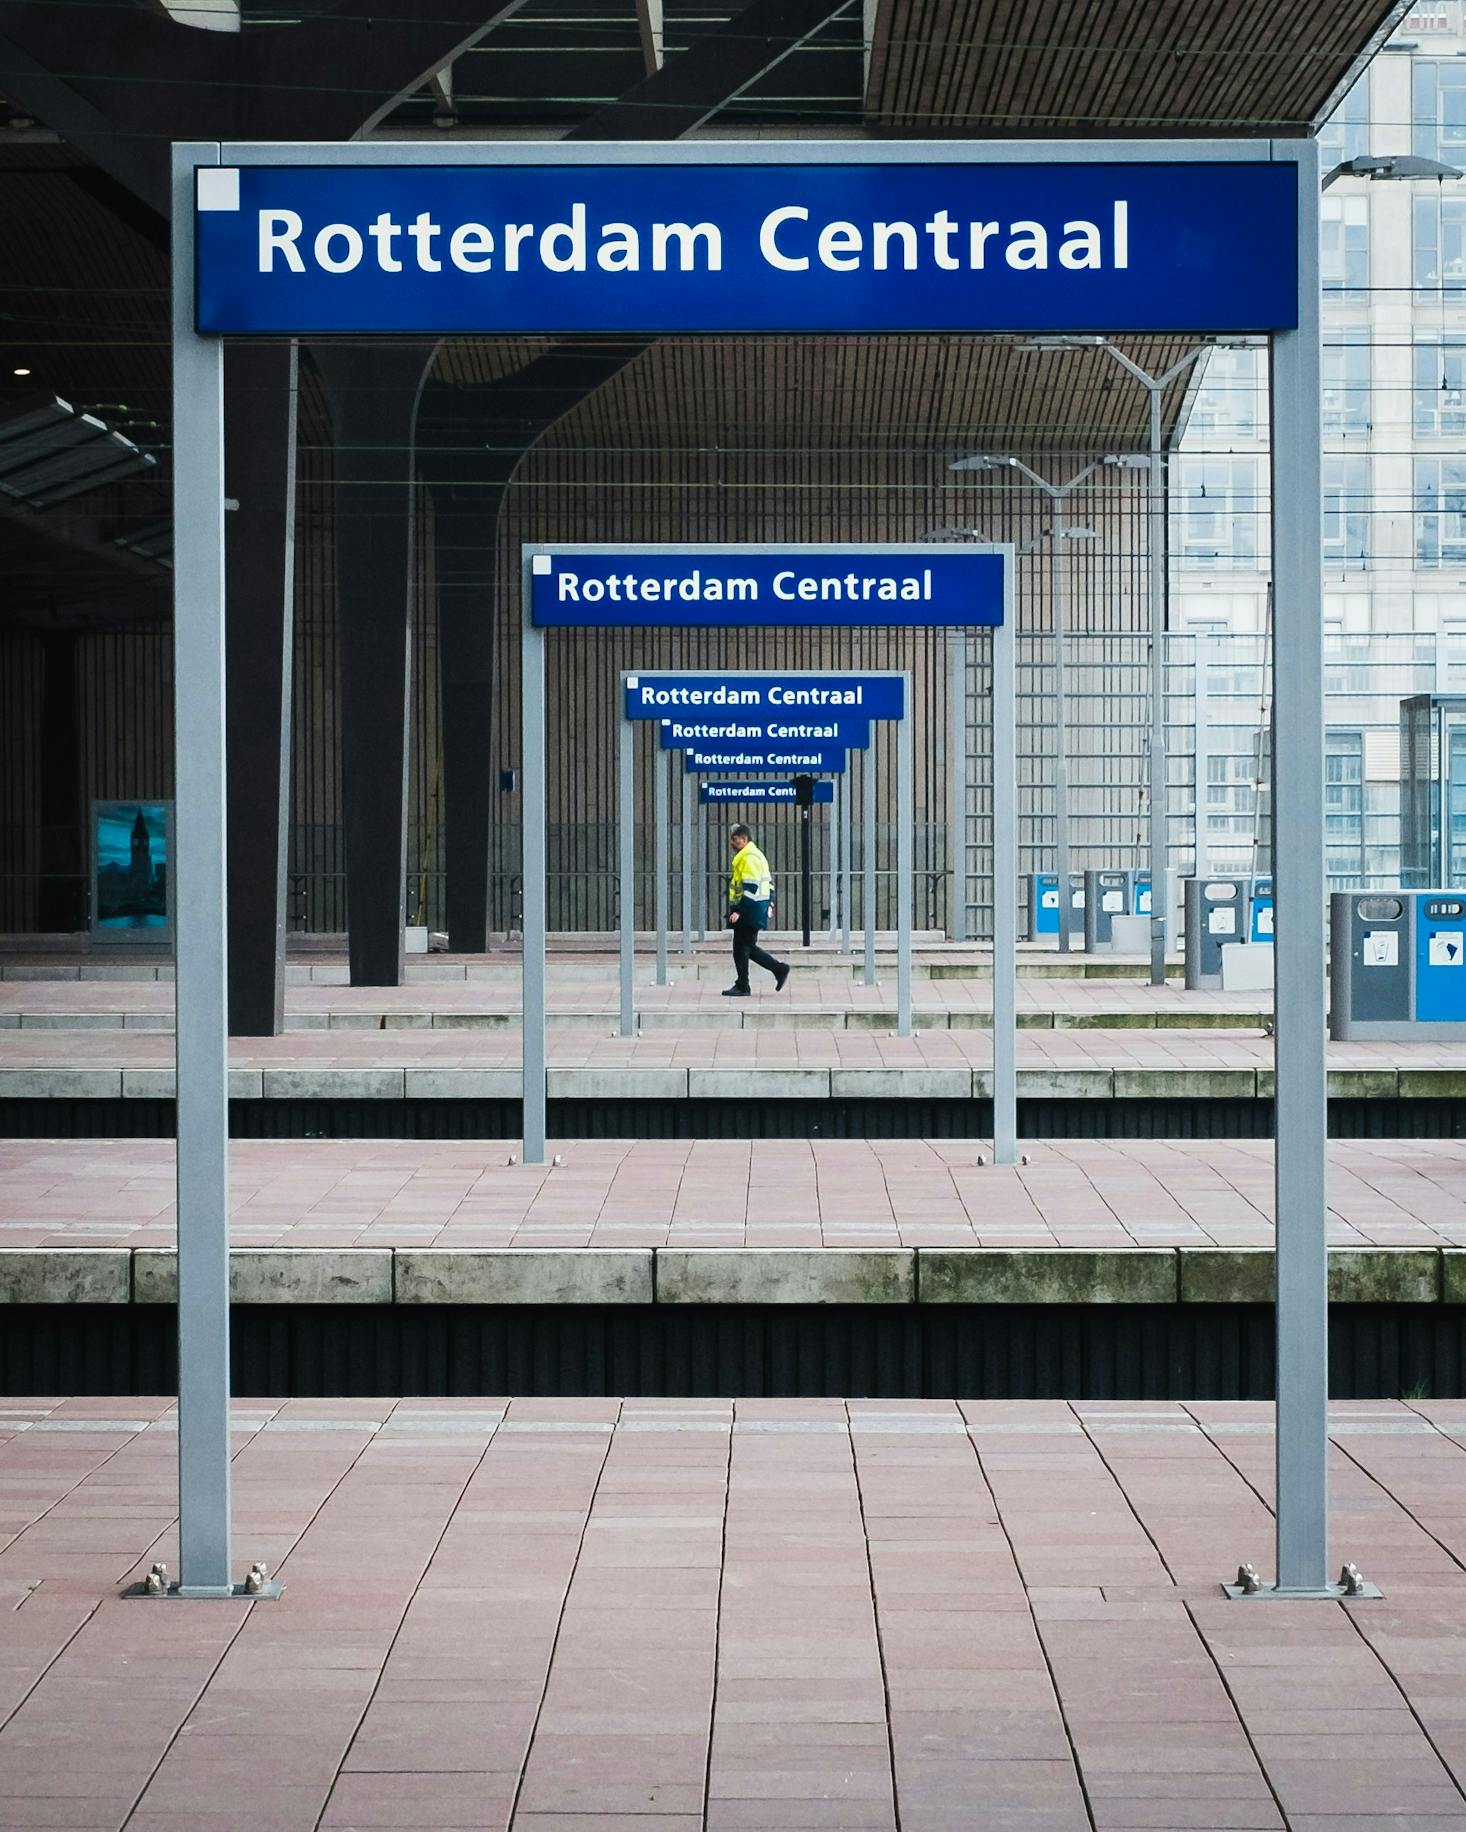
{"x":660,"y":896}
{"x":200,"y":825}
{"x":685,"y":862}
{"x":626,"y":849}
{"x":1201,"y":772}
{"x":1005,"y":881}
{"x":868,"y":855}
{"x":1300,"y":1106}
{"x":701,"y":839}
{"x":905,"y":861}
{"x":957,"y":773}
{"x":533,"y":1075}
{"x":832,"y":857}
{"x":842,"y":791}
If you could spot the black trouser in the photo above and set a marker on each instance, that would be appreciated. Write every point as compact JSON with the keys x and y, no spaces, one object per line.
{"x":745,"y":949}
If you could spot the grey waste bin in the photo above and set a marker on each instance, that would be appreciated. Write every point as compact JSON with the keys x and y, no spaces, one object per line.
{"x":1218,"y":911}
{"x":1369,"y":965}
{"x":1106,"y":895}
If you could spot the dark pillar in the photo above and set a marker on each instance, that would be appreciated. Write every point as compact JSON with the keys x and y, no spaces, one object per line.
{"x":61,"y":898}
{"x":374,"y":391}
{"x":260,"y":396}
{"x":465,"y":536}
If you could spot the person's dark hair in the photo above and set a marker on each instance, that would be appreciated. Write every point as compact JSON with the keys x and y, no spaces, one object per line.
{"x":740,"y":833}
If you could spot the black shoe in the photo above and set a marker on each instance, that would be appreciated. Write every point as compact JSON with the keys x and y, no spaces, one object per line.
{"x":736,"y":992}
{"x":780,"y":975}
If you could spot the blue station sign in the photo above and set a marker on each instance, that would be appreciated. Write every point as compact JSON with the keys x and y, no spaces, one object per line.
{"x":777,"y":760}
{"x":669,"y":245}
{"x":743,"y":587}
{"x":698,"y":734}
{"x":710,"y":792}
{"x":764,"y":699}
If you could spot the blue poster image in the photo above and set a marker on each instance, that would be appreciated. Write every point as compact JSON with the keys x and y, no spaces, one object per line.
{"x":132,"y":866}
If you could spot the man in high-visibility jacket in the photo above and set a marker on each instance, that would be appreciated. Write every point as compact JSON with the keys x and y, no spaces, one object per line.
{"x":750,"y":896}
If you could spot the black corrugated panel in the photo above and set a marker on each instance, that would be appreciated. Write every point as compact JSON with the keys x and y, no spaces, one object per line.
{"x":1142,"y":1352}
{"x":745,"y":1119}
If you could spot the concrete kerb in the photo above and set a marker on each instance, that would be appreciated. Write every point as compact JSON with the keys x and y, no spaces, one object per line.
{"x":722,"y":1276}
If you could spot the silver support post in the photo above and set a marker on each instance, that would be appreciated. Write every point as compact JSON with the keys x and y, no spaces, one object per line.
{"x":843,"y":792}
{"x":832,"y":857}
{"x":1201,"y":692}
{"x":626,"y":848}
{"x":905,"y":860}
{"x":957,"y":774}
{"x":532,"y":869}
{"x":868,"y":854}
{"x":1005,"y":880}
{"x":1160,"y":763}
{"x":701,"y":841}
{"x":198,"y":896}
{"x":1059,"y":612}
{"x":685,"y":862}
{"x":1300,"y":1106}
{"x":660,"y":896}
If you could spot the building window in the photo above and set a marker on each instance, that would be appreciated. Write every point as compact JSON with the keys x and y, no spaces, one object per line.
{"x":1440,"y":387}
{"x":1218,"y":511}
{"x":1343,"y":804}
{"x":1440,"y":241}
{"x":1226,"y":401}
{"x":1345,"y":135}
{"x":1438,"y":109}
{"x":1345,"y":511}
{"x":1432,"y":18}
{"x":1440,"y":512}
{"x":1344,"y":246}
{"x":1346,"y":383}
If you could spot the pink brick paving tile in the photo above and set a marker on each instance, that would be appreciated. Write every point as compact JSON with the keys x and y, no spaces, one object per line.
{"x":779,"y":1192}
{"x":995,"y":1615}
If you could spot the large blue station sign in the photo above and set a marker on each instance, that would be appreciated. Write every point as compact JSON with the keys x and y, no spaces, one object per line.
{"x":697,"y":734}
{"x":709,"y":793}
{"x":666,"y":245}
{"x":741,"y":586}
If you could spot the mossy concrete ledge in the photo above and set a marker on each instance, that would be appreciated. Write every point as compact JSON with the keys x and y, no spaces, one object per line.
{"x":1046,"y":1275}
{"x":1357,"y":1275}
{"x":277,"y":1275}
{"x":524,"y":1275}
{"x":786,"y":1275}
{"x":65,"y":1275}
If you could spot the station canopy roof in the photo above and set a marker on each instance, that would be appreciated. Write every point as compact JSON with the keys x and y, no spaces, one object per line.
{"x":84,"y":269}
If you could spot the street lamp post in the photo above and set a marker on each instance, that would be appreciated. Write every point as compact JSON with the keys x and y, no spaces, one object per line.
{"x":1056,"y":493}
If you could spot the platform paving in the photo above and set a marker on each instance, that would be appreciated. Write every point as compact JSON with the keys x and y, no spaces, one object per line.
{"x":816,"y":1064}
{"x":729,"y":1222}
{"x":814,"y":997}
{"x":703,"y":1616}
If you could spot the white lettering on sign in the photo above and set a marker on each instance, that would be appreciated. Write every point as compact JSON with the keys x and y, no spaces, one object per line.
{"x":1382,"y":948}
{"x":1448,"y":948}
{"x":649,"y":694}
{"x":844,"y":247}
{"x":787,"y":240}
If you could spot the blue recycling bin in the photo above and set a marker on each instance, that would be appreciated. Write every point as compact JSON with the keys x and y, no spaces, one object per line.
{"x":1397,"y":965}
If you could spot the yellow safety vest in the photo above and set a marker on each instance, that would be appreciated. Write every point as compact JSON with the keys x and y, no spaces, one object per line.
{"x":750,"y":877}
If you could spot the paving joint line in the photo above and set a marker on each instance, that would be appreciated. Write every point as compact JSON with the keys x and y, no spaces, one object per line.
{"x":371,"y":1698}
{"x":560,"y":1616}
{"x":707,"y":1779}
{"x":875,"y":1610}
{"x":1038,"y":1635}
{"x":1242,"y":1723}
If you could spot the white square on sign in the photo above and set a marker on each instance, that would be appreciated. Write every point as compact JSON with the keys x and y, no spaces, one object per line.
{"x":1049,"y":900}
{"x":1448,"y":948}
{"x":541,"y":563}
{"x":1265,"y":921}
{"x":1112,"y":900}
{"x":1382,"y":948}
{"x":1221,"y":922}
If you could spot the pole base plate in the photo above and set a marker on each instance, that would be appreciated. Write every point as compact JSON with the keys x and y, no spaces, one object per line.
{"x":219,"y":1593}
{"x":1351,"y":1588}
